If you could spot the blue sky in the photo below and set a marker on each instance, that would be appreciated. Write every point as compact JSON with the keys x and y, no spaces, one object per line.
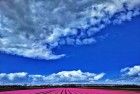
{"x":117,"y":48}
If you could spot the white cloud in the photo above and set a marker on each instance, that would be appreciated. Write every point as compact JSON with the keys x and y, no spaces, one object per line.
{"x":33,"y":28}
{"x":76,"y":76}
{"x":2,"y":75}
{"x":97,"y":77}
{"x":131,"y":71}
{"x":133,"y":3}
{"x":89,"y":40}
{"x":60,"y":77}
{"x":128,"y":75}
{"x":12,"y":76}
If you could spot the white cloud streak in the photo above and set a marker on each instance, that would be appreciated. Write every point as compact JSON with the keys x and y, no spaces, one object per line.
{"x":32,"y":28}
{"x":55,"y":78}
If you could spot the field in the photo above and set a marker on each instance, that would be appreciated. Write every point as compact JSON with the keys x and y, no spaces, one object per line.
{"x":70,"y":91}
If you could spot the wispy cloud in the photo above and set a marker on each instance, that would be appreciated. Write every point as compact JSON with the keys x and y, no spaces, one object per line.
{"x":32,"y":28}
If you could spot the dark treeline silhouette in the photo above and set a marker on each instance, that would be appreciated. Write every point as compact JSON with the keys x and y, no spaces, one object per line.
{"x":90,"y":86}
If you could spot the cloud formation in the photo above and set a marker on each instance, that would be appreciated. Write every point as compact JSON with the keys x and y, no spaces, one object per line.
{"x":128,"y":75}
{"x":131,"y":73}
{"x":12,"y":76}
{"x":32,"y":28}
{"x":55,"y":78}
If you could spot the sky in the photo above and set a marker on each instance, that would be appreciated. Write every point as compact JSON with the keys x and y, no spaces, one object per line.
{"x":95,"y":43}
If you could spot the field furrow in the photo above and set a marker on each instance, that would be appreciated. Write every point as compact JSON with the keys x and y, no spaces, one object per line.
{"x":71,"y":91}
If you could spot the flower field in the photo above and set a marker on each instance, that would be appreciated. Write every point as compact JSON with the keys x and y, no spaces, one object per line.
{"x":70,"y":91}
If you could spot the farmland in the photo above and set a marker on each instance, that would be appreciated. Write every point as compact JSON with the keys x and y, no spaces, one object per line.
{"x":70,"y":91}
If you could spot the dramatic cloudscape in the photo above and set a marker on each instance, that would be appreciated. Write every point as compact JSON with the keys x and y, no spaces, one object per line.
{"x":69,"y":41}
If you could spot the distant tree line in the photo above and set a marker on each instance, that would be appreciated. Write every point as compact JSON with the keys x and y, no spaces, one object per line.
{"x":90,"y":86}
